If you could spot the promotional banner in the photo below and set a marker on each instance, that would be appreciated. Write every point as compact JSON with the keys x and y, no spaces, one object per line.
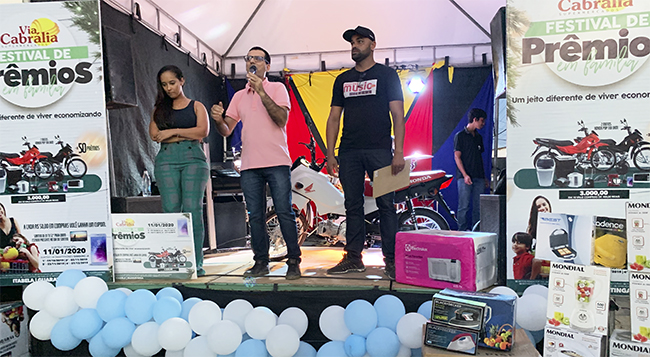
{"x":578,"y":127}
{"x":14,"y":334}
{"x":153,"y":246}
{"x":54,"y":188}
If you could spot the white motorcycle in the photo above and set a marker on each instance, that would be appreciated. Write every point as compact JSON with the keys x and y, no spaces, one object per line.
{"x":318,"y":203}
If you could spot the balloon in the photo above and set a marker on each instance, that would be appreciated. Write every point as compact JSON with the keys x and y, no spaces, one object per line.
{"x":504,"y":290}
{"x":70,"y":278}
{"x":355,"y":346}
{"x":174,"y":334}
{"x":533,"y":317}
{"x":198,"y":347}
{"x":203,"y":315}
{"x":130,"y":352}
{"x":305,"y":350}
{"x":138,"y":306}
{"x":530,"y":336}
{"x":236,"y":311}
{"x":118,"y":332}
{"x":165,"y":308}
{"x":409,"y":330}
{"x":126,"y":291}
{"x":403,"y":351}
{"x":224,"y":337}
{"x":61,"y":337}
{"x":88,"y":290}
{"x":60,"y":302}
{"x":282,"y":341}
{"x":98,"y":348}
{"x":332,"y":323}
{"x":416,"y":352}
{"x":85,"y":324}
{"x":251,"y":347}
{"x":145,"y":339}
{"x":384,"y":342}
{"x":111,"y":305}
{"x":295,"y":318}
{"x":332,"y":349}
{"x":540,"y":290}
{"x":187,"y":305}
{"x":360,"y":317}
{"x":176,"y":353}
{"x":259,"y":322}
{"x":171,"y":292}
{"x":389,"y":310}
{"x":537,"y":335}
{"x":425,"y":309}
{"x":41,"y":325}
{"x":35,"y":293}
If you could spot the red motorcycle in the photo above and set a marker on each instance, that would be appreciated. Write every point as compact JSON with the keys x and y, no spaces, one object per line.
{"x":168,"y":257}
{"x":32,"y":162}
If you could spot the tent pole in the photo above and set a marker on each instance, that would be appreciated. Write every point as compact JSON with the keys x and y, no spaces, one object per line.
{"x":241,"y":32}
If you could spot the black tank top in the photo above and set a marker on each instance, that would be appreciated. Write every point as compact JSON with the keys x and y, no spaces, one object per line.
{"x":183,"y":118}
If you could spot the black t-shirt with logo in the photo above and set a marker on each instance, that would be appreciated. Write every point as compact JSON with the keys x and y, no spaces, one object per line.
{"x":364,"y":97}
{"x":471,"y":148}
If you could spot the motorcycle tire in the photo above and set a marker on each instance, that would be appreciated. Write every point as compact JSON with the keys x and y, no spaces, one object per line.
{"x":641,"y":159}
{"x":603,"y":160}
{"x":76,"y":168}
{"x":43,"y":170}
{"x":152,"y":259}
{"x":622,"y":168}
{"x":181,"y":258}
{"x":277,"y":245}
{"x":426,"y":218}
{"x":542,"y":154}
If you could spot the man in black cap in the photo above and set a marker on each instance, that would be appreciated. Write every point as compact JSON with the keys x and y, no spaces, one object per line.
{"x":369,"y":94}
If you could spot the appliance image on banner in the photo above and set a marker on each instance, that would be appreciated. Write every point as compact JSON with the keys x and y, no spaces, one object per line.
{"x":610,"y":242}
{"x":444,"y":269}
{"x":564,"y":238}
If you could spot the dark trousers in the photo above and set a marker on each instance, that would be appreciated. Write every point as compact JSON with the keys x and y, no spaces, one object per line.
{"x":353,"y":166}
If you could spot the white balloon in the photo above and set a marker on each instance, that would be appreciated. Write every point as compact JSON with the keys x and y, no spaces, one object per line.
{"x":504,"y":290}
{"x":403,"y":351}
{"x":127,"y":291}
{"x":224,"y":337}
{"x":88,"y":290}
{"x":130,"y":352}
{"x":203,"y":315}
{"x":35,"y":293}
{"x":174,"y":334}
{"x":236,"y":311}
{"x":145,"y":339}
{"x":41,"y":325}
{"x":295,"y":318}
{"x":282,"y":341}
{"x":198,"y":347}
{"x":332,"y":323}
{"x":540,"y":290}
{"x":409,"y":329}
{"x":60,"y":302}
{"x":259,"y":322}
{"x":175,"y":353}
{"x":533,"y":316}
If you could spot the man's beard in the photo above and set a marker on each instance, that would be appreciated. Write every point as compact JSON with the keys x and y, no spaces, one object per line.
{"x":360,"y":56}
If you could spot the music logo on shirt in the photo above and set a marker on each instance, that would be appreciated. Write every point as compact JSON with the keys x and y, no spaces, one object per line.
{"x":360,"y":89}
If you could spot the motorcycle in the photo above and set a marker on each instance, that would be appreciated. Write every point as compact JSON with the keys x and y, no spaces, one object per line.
{"x":632,"y":146}
{"x":68,"y":160}
{"x":166,"y":257}
{"x":588,"y":151}
{"x":318,"y":202}
{"x":32,"y":161}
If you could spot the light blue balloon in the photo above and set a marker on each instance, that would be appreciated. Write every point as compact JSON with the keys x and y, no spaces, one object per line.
{"x":85,"y":324}
{"x":355,"y":346}
{"x":61,"y":337}
{"x":230,"y":355}
{"x":166,"y":308}
{"x":245,"y":337}
{"x":425,"y":309}
{"x":111,"y":305}
{"x":382,"y":342}
{"x":360,"y":317}
{"x":139,"y":306}
{"x":187,"y":306}
{"x":118,"y":332}
{"x":305,"y":350}
{"x":250,"y":348}
{"x":530,"y":336}
{"x":70,"y":277}
{"x":538,"y":335}
{"x":332,"y":349}
{"x":172,"y":292}
{"x":389,"y":310}
{"x":98,"y":348}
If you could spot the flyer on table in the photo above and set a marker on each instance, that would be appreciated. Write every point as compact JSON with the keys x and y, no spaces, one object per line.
{"x":578,"y":143}
{"x":54,"y":186}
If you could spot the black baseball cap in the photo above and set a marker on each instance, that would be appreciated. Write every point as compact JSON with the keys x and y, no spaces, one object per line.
{"x":361,"y":31}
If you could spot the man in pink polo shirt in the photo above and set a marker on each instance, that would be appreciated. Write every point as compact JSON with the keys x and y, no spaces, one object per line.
{"x":263,"y":107}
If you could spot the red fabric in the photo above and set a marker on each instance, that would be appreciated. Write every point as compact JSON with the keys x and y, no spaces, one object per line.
{"x":298,"y":131}
{"x":418,"y":137}
{"x":522,"y":265}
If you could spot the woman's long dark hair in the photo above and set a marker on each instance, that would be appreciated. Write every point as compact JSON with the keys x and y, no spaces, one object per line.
{"x":163,"y":108}
{"x":532,"y":219}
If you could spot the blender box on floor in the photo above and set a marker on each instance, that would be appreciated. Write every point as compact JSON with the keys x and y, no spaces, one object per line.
{"x":499,"y":322}
{"x":446,"y":259}
{"x":638,"y":235}
{"x":640,"y":306}
{"x":621,"y":345}
{"x":578,"y":298}
{"x":14,"y":332}
{"x":563,"y":343}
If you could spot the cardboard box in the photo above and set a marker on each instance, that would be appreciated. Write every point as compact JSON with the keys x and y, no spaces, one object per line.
{"x":563,"y":343}
{"x":564,"y":238}
{"x":14,"y":331}
{"x":522,"y":347}
{"x":610,"y":242}
{"x":638,"y":235}
{"x":640,"y":306}
{"x":451,"y":338}
{"x":578,"y":298}
{"x":621,"y":345}
{"x":458,"y":312}
{"x":446,"y":259}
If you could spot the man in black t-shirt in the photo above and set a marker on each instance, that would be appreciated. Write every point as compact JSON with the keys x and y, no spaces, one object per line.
{"x":470,"y":176}
{"x":369,"y":94}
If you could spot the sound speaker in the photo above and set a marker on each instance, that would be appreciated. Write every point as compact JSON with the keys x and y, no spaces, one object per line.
{"x":119,"y":77}
{"x":230,"y":218}
{"x":493,"y":220}
{"x":136,"y":204}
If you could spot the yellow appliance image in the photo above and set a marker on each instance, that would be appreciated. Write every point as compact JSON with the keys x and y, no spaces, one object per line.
{"x":610,"y":251}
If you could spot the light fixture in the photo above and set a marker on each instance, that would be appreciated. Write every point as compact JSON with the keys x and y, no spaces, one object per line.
{"x":415,"y":84}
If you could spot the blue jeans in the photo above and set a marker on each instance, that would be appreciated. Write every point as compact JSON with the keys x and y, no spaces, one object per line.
{"x":253,"y":183}
{"x":353,"y":166}
{"x":467,"y":194}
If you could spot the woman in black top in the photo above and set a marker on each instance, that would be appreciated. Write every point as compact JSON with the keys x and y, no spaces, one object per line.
{"x":8,"y":227}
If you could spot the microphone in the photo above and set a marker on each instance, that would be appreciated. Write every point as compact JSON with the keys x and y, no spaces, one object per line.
{"x":252,"y":69}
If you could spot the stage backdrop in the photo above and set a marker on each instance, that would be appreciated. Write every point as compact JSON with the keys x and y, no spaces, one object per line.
{"x":571,"y":61}
{"x":52,"y":105}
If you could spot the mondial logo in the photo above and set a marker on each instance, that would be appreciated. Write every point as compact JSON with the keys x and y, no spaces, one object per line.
{"x":39,"y":60}
{"x":590,"y":49}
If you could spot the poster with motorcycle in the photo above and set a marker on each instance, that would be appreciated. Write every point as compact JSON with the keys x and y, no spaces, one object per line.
{"x":54,"y":188}
{"x":153,"y":246}
{"x":578,"y":126}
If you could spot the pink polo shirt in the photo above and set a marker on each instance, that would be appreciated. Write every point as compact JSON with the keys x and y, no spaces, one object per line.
{"x":264,"y":144}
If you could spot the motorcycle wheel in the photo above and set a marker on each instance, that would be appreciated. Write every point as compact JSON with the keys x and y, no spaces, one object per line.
{"x":544,"y":154}
{"x":603,"y":160}
{"x":76,"y":168}
{"x":277,"y":245}
{"x":641,"y":159}
{"x":152,"y":258}
{"x":182,"y":258}
{"x":622,"y":168}
{"x":426,"y":218}
{"x":43,"y":170}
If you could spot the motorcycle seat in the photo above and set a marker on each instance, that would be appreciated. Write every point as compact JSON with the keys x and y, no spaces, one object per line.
{"x":552,"y":142}
{"x":608,"y":142}
{"x":9,"y":155}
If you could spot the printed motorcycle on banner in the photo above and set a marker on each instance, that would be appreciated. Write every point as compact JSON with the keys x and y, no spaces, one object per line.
{"x":54,"y":188}
{"x":578,"y":143}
